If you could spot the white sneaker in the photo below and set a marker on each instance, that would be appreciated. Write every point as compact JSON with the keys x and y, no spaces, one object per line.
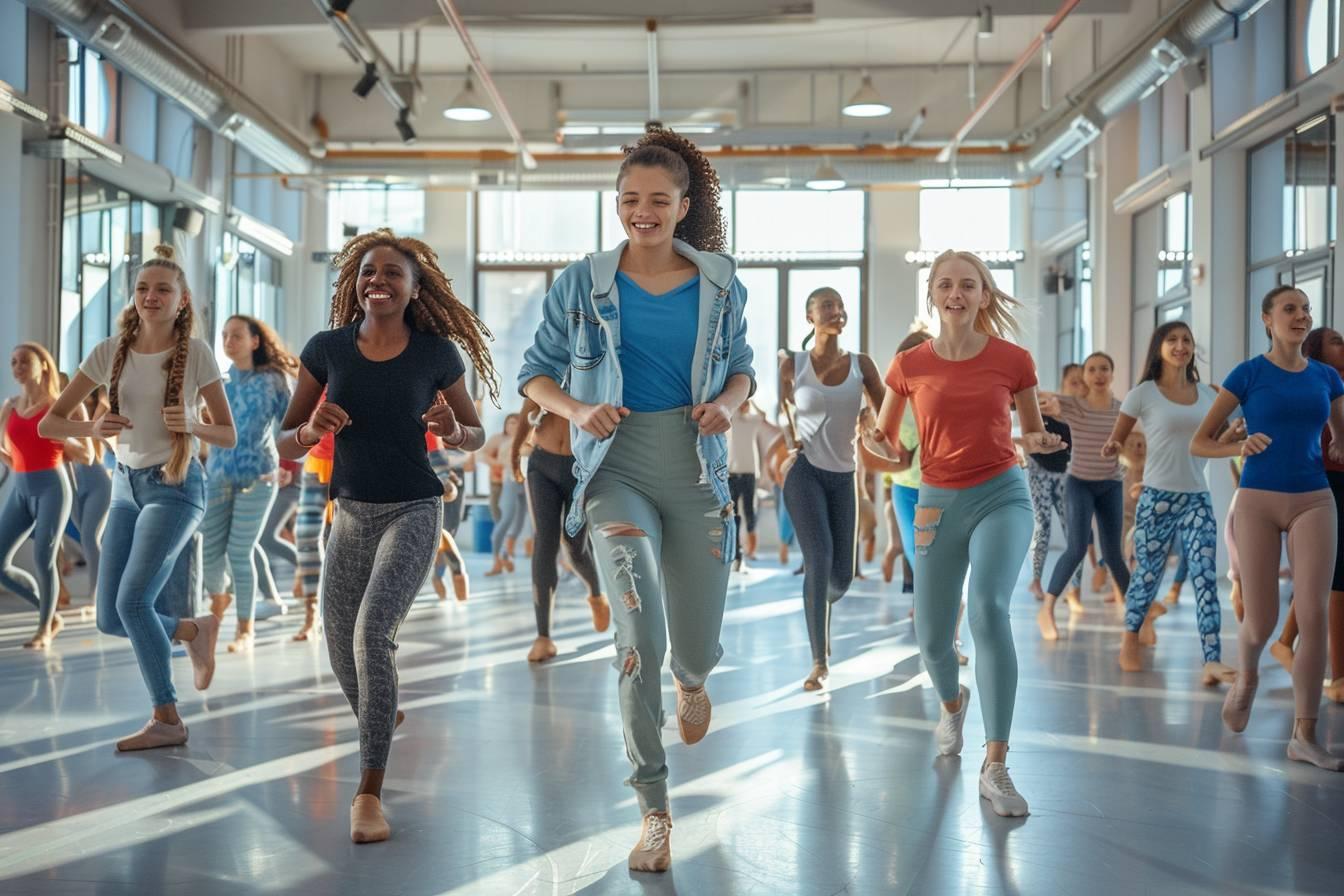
{"x":948,"y":732}
{"x":997,"y":787}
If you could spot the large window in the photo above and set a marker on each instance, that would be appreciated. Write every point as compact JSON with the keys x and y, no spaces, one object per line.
{"x":1315,"y":34}
{"x":94,"y":84}
{"x":1161,"y":269}
{"x":356,"y":208}
{"x":1291,"y":219}
{"x":247,"y":281}
{"x":973,"y":218}
{"x":1069,"y":280}
{"x":105,"y":235}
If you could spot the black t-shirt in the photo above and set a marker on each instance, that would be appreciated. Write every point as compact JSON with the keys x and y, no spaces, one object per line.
{"x":1059,"y":461}
{"x":381,"y":457}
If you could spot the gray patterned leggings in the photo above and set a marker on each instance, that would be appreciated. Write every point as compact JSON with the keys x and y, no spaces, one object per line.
{"x":378,"y":558}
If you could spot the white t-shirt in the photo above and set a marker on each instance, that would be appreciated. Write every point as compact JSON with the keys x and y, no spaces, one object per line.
{"x":1169,"y":427}
{"x":742,"y":443}
{"x":148,"y":443}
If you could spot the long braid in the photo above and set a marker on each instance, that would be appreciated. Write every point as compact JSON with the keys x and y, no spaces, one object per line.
{"x":436,"y":309}
{"x":129,"y":325}
{"x":175,"y":470}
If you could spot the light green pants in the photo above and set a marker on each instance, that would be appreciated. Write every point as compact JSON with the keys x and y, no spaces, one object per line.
{"x":987,"y":528}
{"x":656,"y":530}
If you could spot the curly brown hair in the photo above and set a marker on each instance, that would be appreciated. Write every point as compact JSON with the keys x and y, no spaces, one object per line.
{"x":175,"y":470}
{"x":436,"y":309}
{"x":270,"y":353}
{"x":703,"y":226}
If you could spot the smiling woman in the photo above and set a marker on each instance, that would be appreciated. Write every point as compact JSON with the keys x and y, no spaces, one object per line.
{"x":391,"y":373}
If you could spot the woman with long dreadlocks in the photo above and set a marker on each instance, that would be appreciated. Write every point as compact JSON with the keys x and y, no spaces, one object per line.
{"x":156,"y":374}
{"x":391,"y":372}
{"x":643,"y":349}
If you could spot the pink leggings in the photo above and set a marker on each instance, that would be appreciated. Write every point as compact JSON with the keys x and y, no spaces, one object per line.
{"x":1261,"y":517}
{"x":1230,"y":538}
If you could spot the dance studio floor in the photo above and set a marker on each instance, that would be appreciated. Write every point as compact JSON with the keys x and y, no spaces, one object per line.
{"x":506,"y":778}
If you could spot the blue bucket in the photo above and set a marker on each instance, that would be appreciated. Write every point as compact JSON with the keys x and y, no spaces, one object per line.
{"x":482,"y":529}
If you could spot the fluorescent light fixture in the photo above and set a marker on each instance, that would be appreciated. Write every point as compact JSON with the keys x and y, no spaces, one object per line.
{"x":13,"y":103}
{"x":467,"y":105}
{"x":262,"y":234}
{"x":826,"y":178}
{"x":866,"y":101}
{"x":777,"y":180}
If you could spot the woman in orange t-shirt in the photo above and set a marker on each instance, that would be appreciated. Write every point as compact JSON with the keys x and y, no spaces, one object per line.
{"x":974,"y":508}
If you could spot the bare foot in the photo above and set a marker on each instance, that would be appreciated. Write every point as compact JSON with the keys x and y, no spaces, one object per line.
{"x":1098,"y":579}
{"x":1131,"y":657}
{"x":542,"y":649}
{"x":815,"y":678}
{"x":1147,"y":633}
{"x":1174,"y":595}
{"x":1045,"y":619}
{"x":1283,"y":653}
{"x":1334,"y":691}
{"x":1074,"y":601}
{"x":1216,"y":673}
{"x":1035,"y":589}
{"x":439,"y":588}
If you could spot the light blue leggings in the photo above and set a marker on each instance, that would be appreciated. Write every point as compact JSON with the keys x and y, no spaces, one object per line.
{"x":987,"y":528}
{"x":1160,"y":518}
{"x":231,"y":529}
{"x":513,"y":514}
{"x":38,"y":504}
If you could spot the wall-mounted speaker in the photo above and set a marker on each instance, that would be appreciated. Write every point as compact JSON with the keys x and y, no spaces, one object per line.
{"x":188,"y":220}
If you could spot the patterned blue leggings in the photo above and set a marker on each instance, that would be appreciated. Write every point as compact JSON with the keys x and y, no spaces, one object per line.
{"x":1159,"y":518}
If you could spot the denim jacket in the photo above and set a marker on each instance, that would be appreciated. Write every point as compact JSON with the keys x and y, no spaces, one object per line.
{"x":580,"y":327}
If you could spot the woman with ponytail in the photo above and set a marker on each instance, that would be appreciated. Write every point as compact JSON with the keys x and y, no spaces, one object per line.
{"x":39,"y":502}
{"x":392,"y":372}
{"x":243,"y":480}
{"x":827,"y":387}
{"x":974,"y":508}
{"x":156,"y":375}
{"x":643,"y":349}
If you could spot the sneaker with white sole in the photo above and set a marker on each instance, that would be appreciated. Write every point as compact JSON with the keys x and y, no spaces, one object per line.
{"x":693,"y":710}
{"x":997,"y":787}
{"x":948,"y":732}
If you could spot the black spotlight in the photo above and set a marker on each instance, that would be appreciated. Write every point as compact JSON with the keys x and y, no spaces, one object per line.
{"x":342,"y":5}
{"x":368,"y":81}
{"x":404,"y":127}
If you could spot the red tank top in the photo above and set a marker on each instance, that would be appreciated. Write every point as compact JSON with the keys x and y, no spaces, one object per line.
{"x":30,"y":451}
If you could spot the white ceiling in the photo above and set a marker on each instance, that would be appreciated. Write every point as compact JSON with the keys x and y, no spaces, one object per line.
{"x":844,"y":44}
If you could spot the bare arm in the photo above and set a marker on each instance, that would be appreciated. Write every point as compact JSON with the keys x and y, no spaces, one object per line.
{"x":60,"y":421}
{"x":457,"y":419}
{"x":296,"y":438}
{"x":1035,"y":440}
{"x":520,"y":435}
{"x":79,"y":451}
{"x":1124,"y":425}
{"x":5,"y":410}
{"x":1206,"y":443}
{"x":885,"y":443}
{"x":220,"y":431}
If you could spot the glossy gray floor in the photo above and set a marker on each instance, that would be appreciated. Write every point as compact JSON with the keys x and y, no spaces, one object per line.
{"x":506,"y":778}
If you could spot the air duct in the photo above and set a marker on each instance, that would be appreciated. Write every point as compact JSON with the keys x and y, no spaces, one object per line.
{"x":1179,"y":42}
{"x":137,"y":48}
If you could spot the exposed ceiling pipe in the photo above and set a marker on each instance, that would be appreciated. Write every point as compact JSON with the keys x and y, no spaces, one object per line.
{"x":1018,"y":66}
{"x":135,"y":46}
{"x":1137,"y":74}
{"x":487,"y":83}
{"x":655,"y":113}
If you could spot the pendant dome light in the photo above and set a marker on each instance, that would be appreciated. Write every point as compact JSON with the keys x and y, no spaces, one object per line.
{"x":866,"y":101}
{"x":467,"y":105}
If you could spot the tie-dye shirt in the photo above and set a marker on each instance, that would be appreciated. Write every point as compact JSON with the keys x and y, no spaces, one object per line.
{"x":258,"y":400}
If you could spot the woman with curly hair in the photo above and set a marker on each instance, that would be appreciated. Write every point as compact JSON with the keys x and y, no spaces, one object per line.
{"x":38,"y":504}
{"x":242,"y":480}
{"x":391,"y":372}
{"x":156,"y":375}
{"x":643,"y":349}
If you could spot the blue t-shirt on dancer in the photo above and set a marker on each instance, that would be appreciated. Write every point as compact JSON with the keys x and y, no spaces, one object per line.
{"x":1291,"y":408}
{"x":658,"y":344}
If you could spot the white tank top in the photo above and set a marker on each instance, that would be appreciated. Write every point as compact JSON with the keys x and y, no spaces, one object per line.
{"x":827,"y":415}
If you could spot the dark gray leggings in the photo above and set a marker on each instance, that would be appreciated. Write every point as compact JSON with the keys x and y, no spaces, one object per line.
{"x":1083,"y":500}
{"x":378,"y":558}
{"x":550,"y":491}
{"x":822,"y":506}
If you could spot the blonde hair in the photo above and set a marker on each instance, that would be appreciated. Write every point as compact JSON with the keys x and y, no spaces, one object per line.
{"x":175,"y":470}
{"x":996,"y":318}
{"x":51,"y":377}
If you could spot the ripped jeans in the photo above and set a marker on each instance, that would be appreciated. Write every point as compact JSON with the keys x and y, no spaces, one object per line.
{"x":658,"y":537}
{"x":987,"y":528}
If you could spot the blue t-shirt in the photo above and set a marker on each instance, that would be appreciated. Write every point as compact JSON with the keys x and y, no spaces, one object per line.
{"x":258,"y":400}
{"x":1292,"y":409}
{"x":658,"y":344}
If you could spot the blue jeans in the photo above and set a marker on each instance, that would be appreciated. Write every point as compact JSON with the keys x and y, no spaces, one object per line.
{"x":39,"y":503}
{"x":147,"y":527}
{"x":1084,"y":499}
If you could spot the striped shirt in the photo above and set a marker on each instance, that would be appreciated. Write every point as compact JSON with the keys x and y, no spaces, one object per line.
{"x":1090,"y":429}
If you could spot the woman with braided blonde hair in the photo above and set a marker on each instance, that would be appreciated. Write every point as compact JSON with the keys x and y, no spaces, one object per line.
{"x":156,"y":375}
{"x":391,"y":373}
